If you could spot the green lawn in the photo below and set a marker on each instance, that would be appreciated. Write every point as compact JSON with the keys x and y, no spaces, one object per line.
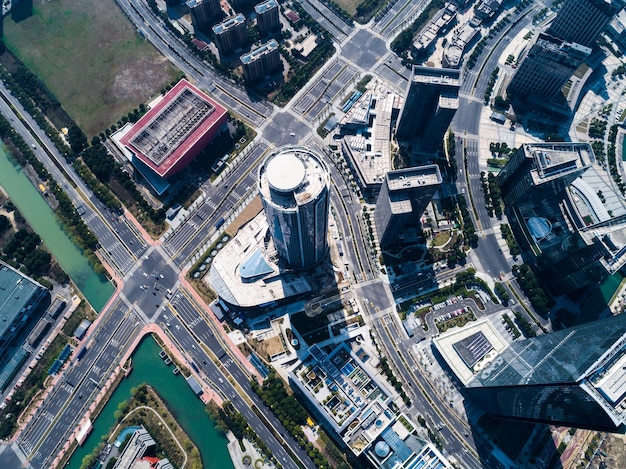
{"x":91,"y":58}
{"x":349,"y":5}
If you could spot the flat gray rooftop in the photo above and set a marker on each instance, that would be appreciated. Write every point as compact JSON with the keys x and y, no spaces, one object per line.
{"x":411,"y":178}
{"x":16,"y":292}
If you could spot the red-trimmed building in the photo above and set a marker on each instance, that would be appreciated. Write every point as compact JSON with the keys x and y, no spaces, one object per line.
{"x":171,"y":134}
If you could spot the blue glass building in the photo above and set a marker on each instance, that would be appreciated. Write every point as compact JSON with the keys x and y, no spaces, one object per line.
{"x":574,"y":377}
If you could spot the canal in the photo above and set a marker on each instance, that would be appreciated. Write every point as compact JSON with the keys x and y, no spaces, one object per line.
{"x":183,"y":403}
{"x":95,"y":288}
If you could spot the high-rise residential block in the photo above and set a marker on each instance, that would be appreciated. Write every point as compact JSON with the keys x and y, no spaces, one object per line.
{"x":203,"y":12}
{"x":231,"y":33}
{"x":267,"y":19}
{"x":261,"y":61}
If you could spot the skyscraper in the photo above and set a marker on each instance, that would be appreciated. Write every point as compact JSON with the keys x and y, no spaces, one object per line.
{"x":547,"y":66}
{"x":574,"y":377}
{"x":231,"y":33}
{"x":267,"y":19}
{"x":539,"y":171}
{"x":582,"y":21}
{"x":432,"y":98}
{"x":261,"y":61}
{"x":565,"y":231}
{"x":403,"y":197}
{"x":294,"y":185}
{"x":204,"y":11}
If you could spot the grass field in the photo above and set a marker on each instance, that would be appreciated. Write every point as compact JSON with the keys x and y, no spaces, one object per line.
{"x":349,"y":5}
{"x":90,"y":56}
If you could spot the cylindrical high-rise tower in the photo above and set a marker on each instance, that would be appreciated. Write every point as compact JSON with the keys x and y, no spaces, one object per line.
{"x":294,"y":185}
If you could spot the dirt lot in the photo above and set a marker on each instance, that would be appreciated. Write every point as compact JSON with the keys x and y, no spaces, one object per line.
{"x":614,"y":447}
{"x":91,"y":58}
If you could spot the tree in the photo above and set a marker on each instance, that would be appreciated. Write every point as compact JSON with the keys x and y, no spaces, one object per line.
{"x":500,"y":103}
{"x":76,"y":139}
{"x":5,"y":224}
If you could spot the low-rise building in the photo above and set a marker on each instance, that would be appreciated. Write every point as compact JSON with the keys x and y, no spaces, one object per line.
{"x":135,"y":453}
{"x":22,"y":302}
{"x":349,"y":399}
{"x":174,"y":131}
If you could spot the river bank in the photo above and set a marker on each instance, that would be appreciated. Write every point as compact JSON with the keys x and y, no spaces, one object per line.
{"x":149,"y":368}
{"x":30,"y":202}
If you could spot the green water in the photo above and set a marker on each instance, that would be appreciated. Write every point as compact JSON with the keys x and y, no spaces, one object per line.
{"x":598,"y":299}
{"x":610,"y":285}
{"x":31,"y":205}
{"x":184,"y":404}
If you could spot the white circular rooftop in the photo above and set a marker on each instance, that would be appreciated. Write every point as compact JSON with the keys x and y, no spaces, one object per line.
{"x":285,"y":172}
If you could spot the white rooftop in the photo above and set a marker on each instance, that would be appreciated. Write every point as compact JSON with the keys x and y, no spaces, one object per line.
{"x":292,"y":176}
{"x":445,"y":344}
{"x":613,"y":384}
{"x":285,"y":172}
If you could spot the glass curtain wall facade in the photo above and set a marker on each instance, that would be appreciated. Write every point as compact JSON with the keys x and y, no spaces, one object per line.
{"x":574,"y":377}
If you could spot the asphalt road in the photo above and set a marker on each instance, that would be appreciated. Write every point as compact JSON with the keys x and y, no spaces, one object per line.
{"x":188,"y":327}
{"x":63,"y":409}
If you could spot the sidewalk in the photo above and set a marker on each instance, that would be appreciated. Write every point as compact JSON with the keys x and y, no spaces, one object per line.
{"x":146,"y":237}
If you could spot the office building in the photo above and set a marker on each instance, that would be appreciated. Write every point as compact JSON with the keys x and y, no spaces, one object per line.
{"x":582,"y":21}
{"x":204,"y":12}
{"x":432,"y":98}
{"x":261,"y":61}
{"x":403,"y":197}
{"x":294,"y":185}
{"x":616,"y":31}
{"x":173,"y":132}
{"x":546,"y":67}
{"x":573,"y":377}
{"x":569,"y":233}
{"x":346,"y":395}
{"x":543,"y":170}
{"x":231,"y":33}
{"x":267,"y":19}
{"x":22,"y":302}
